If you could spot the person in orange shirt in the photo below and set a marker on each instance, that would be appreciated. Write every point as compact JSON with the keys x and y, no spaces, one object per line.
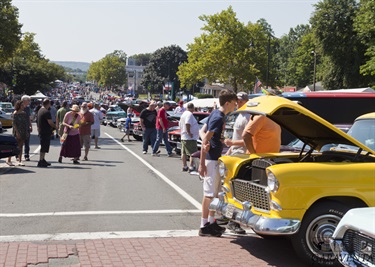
{"x":262,"y":135}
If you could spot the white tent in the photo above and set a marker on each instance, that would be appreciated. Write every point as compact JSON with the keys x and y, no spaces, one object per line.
{"x":204,"y":102}
{"x":38,"y":95}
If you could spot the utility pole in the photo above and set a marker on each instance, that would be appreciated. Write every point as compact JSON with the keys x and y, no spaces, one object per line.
{"x":314,"y":79}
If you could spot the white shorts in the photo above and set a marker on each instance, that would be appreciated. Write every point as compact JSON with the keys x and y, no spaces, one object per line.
{"x":95,"y":132}
{"x":212,"y":182}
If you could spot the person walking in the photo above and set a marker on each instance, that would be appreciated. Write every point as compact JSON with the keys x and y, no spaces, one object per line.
{"x":161,"y":130}
{"x":71,"y":147}
{"x":237,"y":145}
{"x":189,"y":136}
{"x":128,"y":123}
{"x":20,"y":128}
{"x":211,"y":150}
{"x":148,"y":124}
{"x":87,"y":119}
{"x":26,"y":103}
{"x":95,"y":128}
{"x":60,"y":117}
{"x":45,"y":128}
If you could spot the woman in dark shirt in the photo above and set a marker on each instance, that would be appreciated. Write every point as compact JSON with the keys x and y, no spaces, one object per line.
{"x":20,"y":127}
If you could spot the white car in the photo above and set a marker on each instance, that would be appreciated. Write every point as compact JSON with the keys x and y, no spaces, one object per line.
{"x":353,"y":241}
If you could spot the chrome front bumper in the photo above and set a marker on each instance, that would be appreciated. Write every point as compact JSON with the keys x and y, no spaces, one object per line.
{"x":259,"y":224}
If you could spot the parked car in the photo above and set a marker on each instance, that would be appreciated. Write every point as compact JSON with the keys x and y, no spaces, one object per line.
{"x":300,"y":195}
{"x":6,"y":119}
{"x":174,"y":135}
{"x":8,"y":146}
{"x":353,"y":241}
{"x":137,"y":128}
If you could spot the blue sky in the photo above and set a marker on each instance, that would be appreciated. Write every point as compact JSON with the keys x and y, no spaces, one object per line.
{"x":87,"y":30}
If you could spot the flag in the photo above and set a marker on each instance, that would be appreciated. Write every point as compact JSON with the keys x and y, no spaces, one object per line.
{"x":257,"y":85}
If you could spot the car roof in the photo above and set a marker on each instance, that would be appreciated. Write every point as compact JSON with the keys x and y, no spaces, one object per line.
{"x":366,"y":116}
{"x":301,"y":122}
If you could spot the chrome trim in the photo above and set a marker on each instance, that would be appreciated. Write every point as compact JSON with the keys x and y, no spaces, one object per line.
{"x":259,"y":224}
{"x":343,"y":257}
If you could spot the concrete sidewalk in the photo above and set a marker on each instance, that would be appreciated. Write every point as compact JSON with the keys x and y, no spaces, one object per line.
{"x":229,"y":250}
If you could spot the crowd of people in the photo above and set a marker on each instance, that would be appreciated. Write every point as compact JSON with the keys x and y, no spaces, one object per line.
{"x":77,"y":125}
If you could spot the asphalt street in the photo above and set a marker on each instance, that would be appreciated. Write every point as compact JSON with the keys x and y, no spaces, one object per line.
{"x":119,"y":192}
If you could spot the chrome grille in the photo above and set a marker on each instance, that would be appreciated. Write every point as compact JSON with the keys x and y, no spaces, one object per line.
{"x":247,"y":191}
{"x":360,"y":247}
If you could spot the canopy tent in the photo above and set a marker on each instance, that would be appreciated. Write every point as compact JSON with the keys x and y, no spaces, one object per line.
{"x":204,"y":102}
{"x":38,"y":95}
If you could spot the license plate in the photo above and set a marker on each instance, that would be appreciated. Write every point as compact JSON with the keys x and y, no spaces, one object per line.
{"x":229,"y":211}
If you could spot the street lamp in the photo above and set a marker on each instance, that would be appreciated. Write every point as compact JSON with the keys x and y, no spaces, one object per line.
{"x":314,"y":79}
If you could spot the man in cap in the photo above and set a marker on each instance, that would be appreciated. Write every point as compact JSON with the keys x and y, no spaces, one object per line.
{"x":45,"y":127}
{"x":161,"y":130}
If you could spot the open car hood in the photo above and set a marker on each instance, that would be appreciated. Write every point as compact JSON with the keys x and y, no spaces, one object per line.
{"x":304,"y":124}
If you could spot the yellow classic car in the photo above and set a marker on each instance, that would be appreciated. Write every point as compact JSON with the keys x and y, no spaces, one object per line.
{"x":302,"y":195}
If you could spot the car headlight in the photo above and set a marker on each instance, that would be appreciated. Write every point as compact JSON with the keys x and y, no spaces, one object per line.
{"x":222,"y":170}
{"x":272,"y":182}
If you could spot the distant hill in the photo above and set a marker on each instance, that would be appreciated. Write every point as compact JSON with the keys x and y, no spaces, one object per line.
{"x":84,"y":66}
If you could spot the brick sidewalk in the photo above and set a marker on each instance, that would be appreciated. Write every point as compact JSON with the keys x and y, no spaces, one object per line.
{"x":173,"y":251}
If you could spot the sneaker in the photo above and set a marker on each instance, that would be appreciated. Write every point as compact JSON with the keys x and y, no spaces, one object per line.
{"x":97,"y":147}
{"x":144,"y":152}
{"x":185,"y":169}
{"x":191,"y":169}
{"x":42,"y":164}
{"x":158,"y":152}
{"x":122,"y":139}
{"x":217,"y":227}
{"x":170,"y":154}
{"x":235,"y":228}
{"x":155,"y":155}
{"x":27,"y":158}
{"x":21,"y":163}
{"x":209,"y":230}
{"x":49,"y":164}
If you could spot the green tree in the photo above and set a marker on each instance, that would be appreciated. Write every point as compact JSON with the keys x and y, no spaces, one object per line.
{"x":141,"y":59}
{"x":163,"y":67}
{"x":341,"y":49}
{"x":10,"y":30}
{"x":227,"y":51}
{"x":365,"y":26}
{"x":28,"y":70}
{"x":110,"y":70}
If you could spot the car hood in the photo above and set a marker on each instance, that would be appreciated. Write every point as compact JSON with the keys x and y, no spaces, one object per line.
{"x":304,"y":124}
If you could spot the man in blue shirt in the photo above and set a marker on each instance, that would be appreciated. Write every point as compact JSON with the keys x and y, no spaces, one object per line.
{"x":211,"y":150}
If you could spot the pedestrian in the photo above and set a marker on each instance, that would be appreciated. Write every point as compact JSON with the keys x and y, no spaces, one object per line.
{"x":71,"y":147}
{"x":237,"y":145}
{"x":161,"y":130}
{"x":87,"y":119}
{"x":148,"y":124}
{"x":180,"y":108}
{"x":262,"y":135}
{"x":159,"y":106}
{"x":95,"y":128}
{"x":60,"y":117}
{"x":128,"y":123}
{"x":189,"y":136}
{"x":45,"y":128}
{"x":130,"y":110}
{"x":53,"y":111}
{"x":20,"y":129}
{"x":211,"y":150}
{"x":26,"y":102}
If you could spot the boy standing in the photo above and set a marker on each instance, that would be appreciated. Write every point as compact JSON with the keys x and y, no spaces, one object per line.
{"x":128,"y":123}
{"x":211,"y":150}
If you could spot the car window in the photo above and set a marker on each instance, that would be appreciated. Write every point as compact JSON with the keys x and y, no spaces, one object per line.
{"x":364,"y":132}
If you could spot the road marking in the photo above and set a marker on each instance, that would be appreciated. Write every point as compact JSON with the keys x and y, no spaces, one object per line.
{"x":84,"y":213}
{"x":98,"y":235}
{"x":162,"y":176}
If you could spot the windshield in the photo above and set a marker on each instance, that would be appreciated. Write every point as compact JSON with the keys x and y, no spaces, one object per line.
{"x":364,"y":132}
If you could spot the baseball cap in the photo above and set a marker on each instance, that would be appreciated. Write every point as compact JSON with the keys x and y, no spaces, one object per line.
{"x":242,"y":96}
